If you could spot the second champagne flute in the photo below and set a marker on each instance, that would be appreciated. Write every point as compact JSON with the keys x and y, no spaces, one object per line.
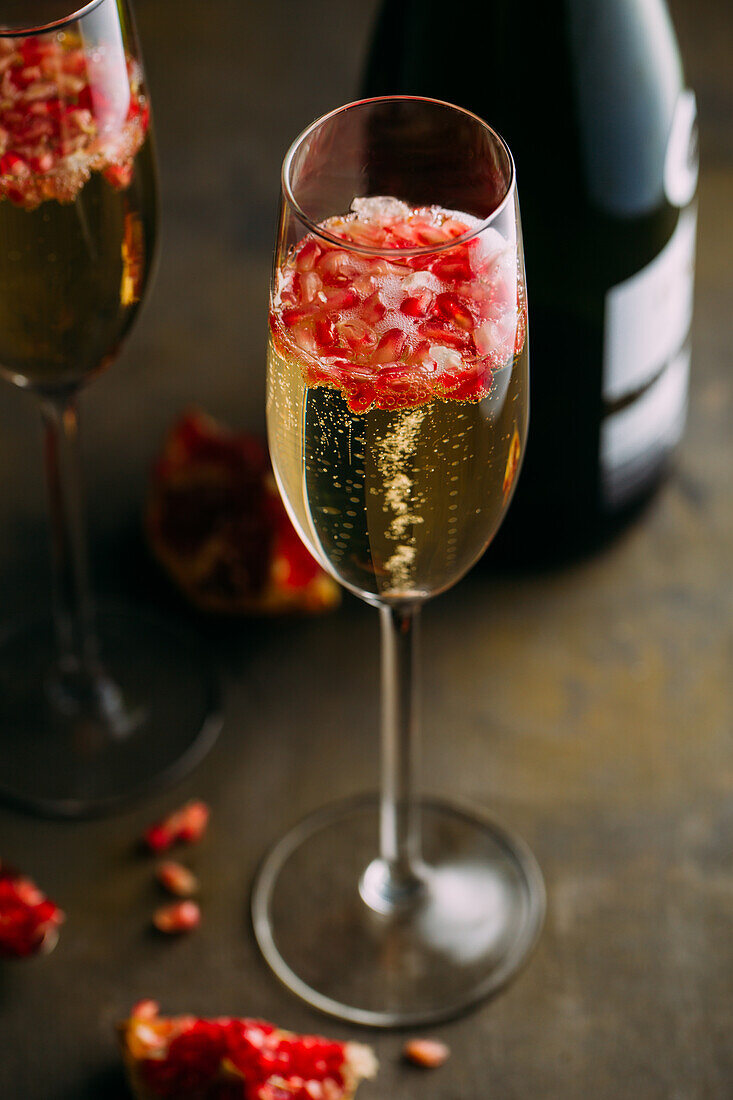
{"x":83,"y":725}
{"x":397,"y":417}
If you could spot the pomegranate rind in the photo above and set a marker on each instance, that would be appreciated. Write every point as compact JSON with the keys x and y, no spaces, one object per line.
{"x":29,"y":921}
{"x":220,"y":1059}
{"x":393,"y":331}
{"x":216,"y":524}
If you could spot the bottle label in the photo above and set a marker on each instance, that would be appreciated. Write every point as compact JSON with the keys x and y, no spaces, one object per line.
{"x":681,"y":161}
{"x":636,"y":438}
{"x":648,"y":316}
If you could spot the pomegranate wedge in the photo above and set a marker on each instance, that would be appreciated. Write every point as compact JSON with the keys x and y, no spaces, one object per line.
{"x":185,"y":1058}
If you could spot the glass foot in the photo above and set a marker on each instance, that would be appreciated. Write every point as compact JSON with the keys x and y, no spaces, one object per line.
{"x":471,"y":928}
{"x":147,"y":721}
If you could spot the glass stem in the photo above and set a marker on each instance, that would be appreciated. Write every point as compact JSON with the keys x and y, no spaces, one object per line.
{"x":393,"y":880}
{"x":78,"y":657}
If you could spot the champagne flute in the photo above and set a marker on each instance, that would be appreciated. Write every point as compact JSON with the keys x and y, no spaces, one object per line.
{"x":397,"y":417}
{"x":82,"y":724}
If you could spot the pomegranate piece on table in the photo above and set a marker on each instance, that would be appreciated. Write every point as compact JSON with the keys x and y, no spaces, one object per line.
{"x":428,"y":1053}
{"x":176,"y":879}
{"x":186,"y":826}
{"x":29,"y":921}
{"x":222,"y":1059}
{"x":181,"y":916}
{"x":217,"y":525}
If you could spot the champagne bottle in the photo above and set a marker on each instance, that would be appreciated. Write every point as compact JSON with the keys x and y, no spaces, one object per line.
{"x":590,"y":97}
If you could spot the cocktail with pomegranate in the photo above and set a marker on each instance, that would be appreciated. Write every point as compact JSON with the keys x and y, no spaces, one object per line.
{"x":397,"y":414}
{"x":397,"y":393}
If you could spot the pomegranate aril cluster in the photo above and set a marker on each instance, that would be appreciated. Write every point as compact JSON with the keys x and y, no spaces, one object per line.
{"x":65,"y":112}
{"x":397,"y":332}
{"x":29,"y":921}
{"x":249,"y":1059}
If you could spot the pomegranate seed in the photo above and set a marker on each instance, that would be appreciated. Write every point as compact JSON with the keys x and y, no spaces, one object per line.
{"x":450,"y":307}
{"x":390,"y":346}
{"x":308,"y":255}
{"x":364,"y":285}
{"x":180,"y":916}
{"x":325,"y":334}
{"x":385,"y":267}
{"x":364,"y":233}
{"x":187,"y":825}
{"x":309,"y":284}
{"x":335,"y":266}
{"x":406,"y":236}
{"x":342,"y":299}
{"x":443,"y":334}
{"x":429,"y":1053}
{"x":194,"y":817}
{"x":177,"y":879}
{"x":373,"y":309}
{"x":303,"y":335}
{"x":431,"y":234}
{"x":452,"y":268}
{"x":418,"y":305}
{"x":356,"y":334}
{"x":293,"y":317}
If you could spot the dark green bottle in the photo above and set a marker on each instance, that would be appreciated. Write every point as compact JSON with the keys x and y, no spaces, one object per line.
{"x":590,"y":97}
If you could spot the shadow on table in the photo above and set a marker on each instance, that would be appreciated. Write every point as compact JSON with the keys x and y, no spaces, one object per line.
{"x":108,"y":1084}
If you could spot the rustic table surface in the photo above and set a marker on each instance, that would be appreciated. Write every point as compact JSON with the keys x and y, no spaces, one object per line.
{"x":590,"y":708}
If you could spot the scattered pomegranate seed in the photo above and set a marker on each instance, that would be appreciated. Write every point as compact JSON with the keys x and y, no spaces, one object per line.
{"x":177,"y":879}
{"x":180,"y":916}
{"x":428,"y":1053}
{"x":186,"y":825}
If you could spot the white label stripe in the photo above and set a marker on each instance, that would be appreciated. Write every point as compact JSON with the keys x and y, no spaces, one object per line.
{"x":648,"y":316}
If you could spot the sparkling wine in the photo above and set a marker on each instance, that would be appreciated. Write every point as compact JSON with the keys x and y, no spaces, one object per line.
{"x":396,"y":442}
{"x":401,"y":503}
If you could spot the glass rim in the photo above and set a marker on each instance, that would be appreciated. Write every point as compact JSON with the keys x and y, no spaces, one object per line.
{"x":41,"y":28}
{"x":418,"y":250}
